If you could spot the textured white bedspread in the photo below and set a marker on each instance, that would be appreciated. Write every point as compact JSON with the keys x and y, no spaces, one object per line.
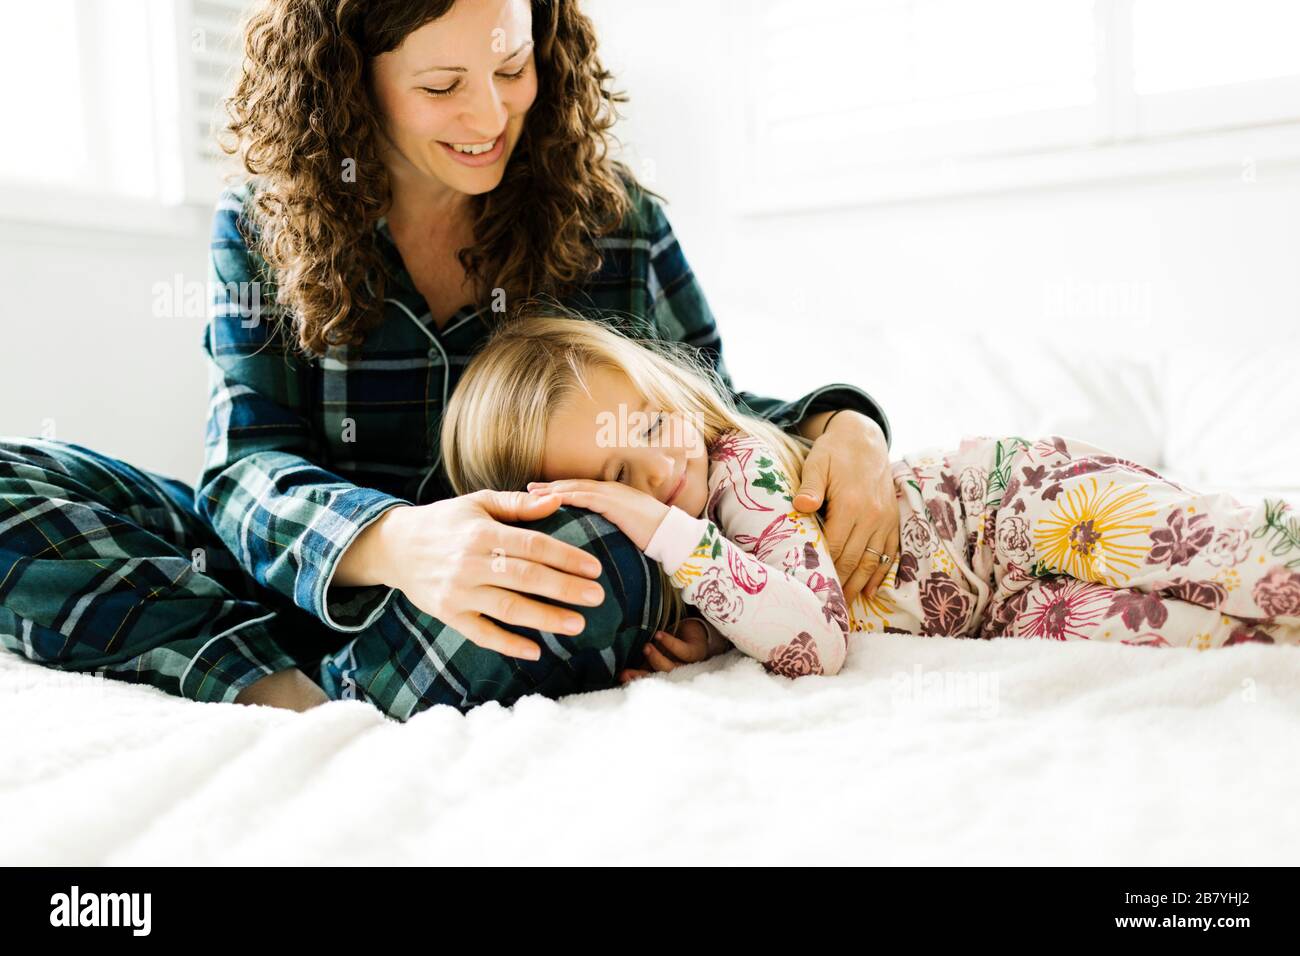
{"x":923,"y":750}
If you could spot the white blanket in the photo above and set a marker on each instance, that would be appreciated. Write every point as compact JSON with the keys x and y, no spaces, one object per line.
{"x":1037,"y":752}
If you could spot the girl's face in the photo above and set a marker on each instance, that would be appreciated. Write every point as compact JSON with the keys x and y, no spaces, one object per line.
{"x":454,"y":94}
{"x":613,"y":433}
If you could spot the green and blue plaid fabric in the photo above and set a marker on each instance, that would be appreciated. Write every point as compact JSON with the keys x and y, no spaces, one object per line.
{"x":109,"y":569}
{"x":301,"y":454}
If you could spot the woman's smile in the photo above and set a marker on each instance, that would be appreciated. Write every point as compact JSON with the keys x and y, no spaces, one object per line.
{"x":477,"y":154}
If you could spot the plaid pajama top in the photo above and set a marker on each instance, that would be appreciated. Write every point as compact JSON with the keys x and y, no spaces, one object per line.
{"x":302,"y":453}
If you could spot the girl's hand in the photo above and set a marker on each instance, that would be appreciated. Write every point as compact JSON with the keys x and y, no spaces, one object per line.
{"x":848,"y":467}
{"x":637,"y":514}
{"x":455,"y":560}
{"x":696,"y":640}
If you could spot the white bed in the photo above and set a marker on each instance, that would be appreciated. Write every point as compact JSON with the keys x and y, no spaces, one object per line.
{"x":1036,"y":752}
{"x":1076,"y":753}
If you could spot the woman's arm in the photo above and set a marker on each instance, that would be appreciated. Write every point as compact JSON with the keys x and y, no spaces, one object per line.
{"x":762,"y":575}
{"x":288,"y":520}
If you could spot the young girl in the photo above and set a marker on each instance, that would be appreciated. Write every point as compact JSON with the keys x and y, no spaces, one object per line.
{"x":1051,"y":538}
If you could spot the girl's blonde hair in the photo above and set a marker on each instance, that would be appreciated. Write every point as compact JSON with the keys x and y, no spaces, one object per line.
{"x":494,"y":429}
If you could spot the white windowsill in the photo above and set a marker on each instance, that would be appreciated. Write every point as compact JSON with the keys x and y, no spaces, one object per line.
{"x":25,"y":205}
{"x":1231,"y":154}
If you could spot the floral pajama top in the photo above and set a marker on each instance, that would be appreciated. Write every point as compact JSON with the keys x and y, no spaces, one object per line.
{"x":1001,"y":537}
{"x":768,"y":584}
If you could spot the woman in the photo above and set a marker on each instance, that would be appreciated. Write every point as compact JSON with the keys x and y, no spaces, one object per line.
{"x":417,"y":170}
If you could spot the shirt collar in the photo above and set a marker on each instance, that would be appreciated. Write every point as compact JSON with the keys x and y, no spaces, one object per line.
{"x":393,"y":261}
{"x":392,"y":258}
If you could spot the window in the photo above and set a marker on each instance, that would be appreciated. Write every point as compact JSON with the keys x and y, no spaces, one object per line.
{"x":43,"y":99}
{"x":888,"y":98}
{"x":1207,"y":64}
{"x":114,"y":102}
{"x":897,"y":71}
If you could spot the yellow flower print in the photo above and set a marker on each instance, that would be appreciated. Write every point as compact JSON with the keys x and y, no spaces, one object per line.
{"x":873,"y":613}
{"x":688,"y":572}
{"x":804,"y":526}
{"x":1087,"y":535}
{"x":1229,"y":578}
{"x":694,"y":566}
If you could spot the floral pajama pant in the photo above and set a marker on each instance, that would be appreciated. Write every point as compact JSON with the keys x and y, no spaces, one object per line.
{"x":1057,"y":538}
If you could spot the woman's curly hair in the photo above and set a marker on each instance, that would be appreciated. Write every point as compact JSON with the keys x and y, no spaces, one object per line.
{"x":303,"y":105}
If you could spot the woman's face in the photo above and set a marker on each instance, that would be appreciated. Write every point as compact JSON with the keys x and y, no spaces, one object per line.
{"x":612,"y":433}
{"x":455,"y":92}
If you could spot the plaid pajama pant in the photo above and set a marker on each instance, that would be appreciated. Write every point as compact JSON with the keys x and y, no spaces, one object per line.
{"x":1056,"y":538}
{"x":107,"y":568}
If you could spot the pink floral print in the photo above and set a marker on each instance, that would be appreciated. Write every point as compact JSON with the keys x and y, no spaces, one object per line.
{"x":718,"y":596}
{"x":1181,"y":540}
{"x":1063,"y":609}
{"x":796,"y":659}
{"x":917,"y":537}
{"x":1203,"y":593}
{"x":1278,"y":593}
{"x":944,"y":605}
{"x":1013,"y":539}
{"x":974,"y":485}
{"x":1247,"y":634}
{"x":1052,"y":538}
{"x":766,"y":582}
{"x":1231,"y":547}
{"x":1058,"y":539}
{"x":1138,"y":609}
{"x":941,"y":517}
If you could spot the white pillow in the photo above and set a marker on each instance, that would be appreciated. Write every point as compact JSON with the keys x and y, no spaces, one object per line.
{"x":938,"y":386}
{"x":1233,"y":411}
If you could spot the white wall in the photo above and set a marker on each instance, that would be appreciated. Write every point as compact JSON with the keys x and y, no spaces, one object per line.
{"x":949,"y":311}
{"x":1115,"y":311}
{"x":82,"y":352}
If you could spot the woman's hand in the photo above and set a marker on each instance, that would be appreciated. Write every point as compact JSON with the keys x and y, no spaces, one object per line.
{"x":848,"y":467}
{"x":637,"y":514}
{"x":696,"y":640}
{"x":456,"y":561}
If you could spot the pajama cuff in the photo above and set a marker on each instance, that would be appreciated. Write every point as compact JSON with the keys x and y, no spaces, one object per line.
{"x":840,"y":395}
{"x":676,"y":539}
{"x":353,"y":609}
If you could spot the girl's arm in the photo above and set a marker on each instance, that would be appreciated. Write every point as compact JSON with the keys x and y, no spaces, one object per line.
{"x":762,"y":575}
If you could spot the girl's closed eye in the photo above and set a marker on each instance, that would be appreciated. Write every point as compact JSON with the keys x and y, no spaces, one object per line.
{"x":654,"y":426}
